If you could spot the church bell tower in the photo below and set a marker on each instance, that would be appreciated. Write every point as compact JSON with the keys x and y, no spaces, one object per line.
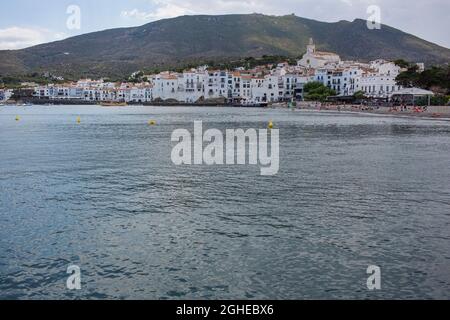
{"x":311,"y":48}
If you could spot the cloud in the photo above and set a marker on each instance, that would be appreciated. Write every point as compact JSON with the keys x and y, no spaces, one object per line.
{"x":163,"y":10}
{"x":13,"y":38}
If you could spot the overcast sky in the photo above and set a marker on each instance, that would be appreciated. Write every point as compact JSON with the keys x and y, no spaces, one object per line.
{"x":28,"y":22}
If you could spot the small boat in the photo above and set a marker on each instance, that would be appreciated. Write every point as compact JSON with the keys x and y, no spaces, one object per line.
{"x":275,"y":105}
{"x":113,"y":104}
{"x":292,"y":104}
{"x":252,"y":105}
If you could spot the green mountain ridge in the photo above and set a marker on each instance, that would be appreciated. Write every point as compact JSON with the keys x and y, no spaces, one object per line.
{"x":187,"y":40}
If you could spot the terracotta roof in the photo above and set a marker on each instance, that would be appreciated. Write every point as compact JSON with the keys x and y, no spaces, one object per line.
{"x":324,"y":53}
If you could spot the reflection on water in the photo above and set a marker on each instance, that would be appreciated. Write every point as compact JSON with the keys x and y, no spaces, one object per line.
{"x":352,"y":191}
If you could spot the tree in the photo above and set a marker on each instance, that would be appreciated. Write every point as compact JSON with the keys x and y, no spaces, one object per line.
{"x":409,"y":78}
{"x":359,"y":95}
{"x":436,"y":78}
{"x":316,"y":91}
{"x":402,"y":63}
{"x":434,"y":101}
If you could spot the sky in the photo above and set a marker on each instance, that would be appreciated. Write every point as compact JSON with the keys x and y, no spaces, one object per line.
{"x":25,"y":23}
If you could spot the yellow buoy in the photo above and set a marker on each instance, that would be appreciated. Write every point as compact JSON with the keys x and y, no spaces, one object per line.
{"x":78,"y":120}
{"x":270,"y":125}
{"x":152,"y":122}
{"x":17,"y":118}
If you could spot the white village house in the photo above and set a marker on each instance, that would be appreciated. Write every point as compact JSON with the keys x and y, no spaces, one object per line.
{"x":5,"y":94}
{"x":267,"y":84}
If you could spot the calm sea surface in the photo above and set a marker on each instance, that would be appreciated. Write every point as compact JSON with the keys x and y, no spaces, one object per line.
{"x":352,"y":191}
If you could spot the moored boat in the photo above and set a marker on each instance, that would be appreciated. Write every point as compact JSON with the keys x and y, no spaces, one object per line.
{"x":113,"y":104}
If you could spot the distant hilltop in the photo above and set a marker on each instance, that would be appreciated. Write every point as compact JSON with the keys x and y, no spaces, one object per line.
{"x":186,"y":40}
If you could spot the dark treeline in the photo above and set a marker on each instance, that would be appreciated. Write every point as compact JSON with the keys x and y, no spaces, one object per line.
{"x":230,"y":64}
{"x":436,"y":78}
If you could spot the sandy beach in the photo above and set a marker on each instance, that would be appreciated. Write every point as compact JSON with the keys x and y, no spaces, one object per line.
{"x":430,"y":113}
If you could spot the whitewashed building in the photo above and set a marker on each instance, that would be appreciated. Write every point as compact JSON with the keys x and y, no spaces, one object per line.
{"x":194,"y":86}
{"x":379,"y":81}
{"x":5,"y":94}
{"x":317,"y":59}
{"x":264,"y":84}
{"x":379,"y":86}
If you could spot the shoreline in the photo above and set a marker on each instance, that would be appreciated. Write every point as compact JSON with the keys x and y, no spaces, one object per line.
{"x":439,"y":113}
{"x":395,"y":115}
{"x":41,"y":102}
{"x":431,"y":114}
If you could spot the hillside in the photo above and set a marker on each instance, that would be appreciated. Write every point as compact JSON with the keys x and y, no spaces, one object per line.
{"x":195,"y":39}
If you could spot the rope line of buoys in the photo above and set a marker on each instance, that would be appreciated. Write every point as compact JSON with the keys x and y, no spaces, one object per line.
{"x":78,"y":121}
